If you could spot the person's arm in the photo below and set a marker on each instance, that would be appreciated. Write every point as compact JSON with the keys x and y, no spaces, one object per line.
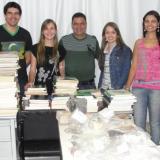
{"x":62,"y":53}
{"x":28,"y":47}
{"x":126,"y":60}
{"x":98,"y":50}
{"x":101,"y":61}
{"x":32,"y":72}
{"x":28,"y":57}
{"x":62,"y":68}
{"x":133,"y":67}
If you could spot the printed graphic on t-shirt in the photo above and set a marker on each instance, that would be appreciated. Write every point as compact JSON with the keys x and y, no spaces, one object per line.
{"x":45,"y":72}
{"x":42,"y":75}
{"x":14,"y":46}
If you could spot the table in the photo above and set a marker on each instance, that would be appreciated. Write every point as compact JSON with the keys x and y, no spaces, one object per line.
{"x":136,"y":139}
{"x":64,"y":139}
{"x":7,"y":135}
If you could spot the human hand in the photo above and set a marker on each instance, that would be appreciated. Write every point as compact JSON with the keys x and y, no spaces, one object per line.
{"x":28,"y":85}
{"x":127,"y":88}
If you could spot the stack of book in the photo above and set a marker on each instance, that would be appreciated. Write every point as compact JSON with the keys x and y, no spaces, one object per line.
{"x":66,"y":86}
{"x":36,"y":91}
{"x":8,"y":88}
{"x":7,"y":92}
{"x":57,"y":103}
{"x":121,"y":101}
{"x":63,"y":87}
{"x":8,"y":63}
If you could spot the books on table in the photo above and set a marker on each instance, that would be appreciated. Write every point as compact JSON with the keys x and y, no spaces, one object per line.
{"x":8,"y":85}
{"x":63,"y":87}
{"x":8,"y":63}
{"x":120,"y":100}
{"x":36,"y":91}
{"x":66,"y":86}
{"x":66,"y":82}
{"x":57,"y":103}
{"x":7,"y":92}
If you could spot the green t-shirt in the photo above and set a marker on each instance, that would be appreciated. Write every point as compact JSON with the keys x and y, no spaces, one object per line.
{"x":79,"y":56}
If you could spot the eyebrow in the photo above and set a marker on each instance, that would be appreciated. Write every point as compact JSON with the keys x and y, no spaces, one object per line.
{"x":13,"y":12}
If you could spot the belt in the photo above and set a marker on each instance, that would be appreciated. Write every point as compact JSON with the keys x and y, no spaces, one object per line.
{"x":147,"y":82}
{"x":86,"y":82}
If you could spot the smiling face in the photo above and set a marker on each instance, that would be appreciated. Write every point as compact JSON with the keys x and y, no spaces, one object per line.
{"x":110,"y":35}
{"x":49,"y":31}
{"x":12,"y":17}
{"x":79,"y":26}
{"x":150,"y":23}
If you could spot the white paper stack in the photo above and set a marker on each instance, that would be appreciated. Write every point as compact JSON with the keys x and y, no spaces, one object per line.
{"x":7,"y":92}
{"x":66,"y":86}
{"x":8,"y":63}
{"x":91,"y":103}
{"x":57,"y":103}
{"x":121,"y":100}
{"x":8,"y":89}
{"x":36,"y":91}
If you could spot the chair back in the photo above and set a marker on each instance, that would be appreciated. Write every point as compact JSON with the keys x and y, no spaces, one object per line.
{"x":37,"y":125}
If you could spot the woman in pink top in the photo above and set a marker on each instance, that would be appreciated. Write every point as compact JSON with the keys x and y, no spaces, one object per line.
{"x":145,"y":75}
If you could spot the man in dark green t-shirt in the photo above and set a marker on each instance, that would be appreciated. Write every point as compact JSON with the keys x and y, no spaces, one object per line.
{"x":16,"y":38}
{"x":78,"y":52}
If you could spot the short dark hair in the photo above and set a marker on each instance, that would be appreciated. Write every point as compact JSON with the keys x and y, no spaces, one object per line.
{"x":77,"y":15}
{"x":12,"y":5}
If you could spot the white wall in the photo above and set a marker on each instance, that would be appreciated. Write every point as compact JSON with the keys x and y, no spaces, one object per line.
{"x":126,"y":13}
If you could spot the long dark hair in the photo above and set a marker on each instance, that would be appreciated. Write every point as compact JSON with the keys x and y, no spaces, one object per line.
{"x":119,"y":40}
{"x":157,"y":16}
{"x":41,"y":43}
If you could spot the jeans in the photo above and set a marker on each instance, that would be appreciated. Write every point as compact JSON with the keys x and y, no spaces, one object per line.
{"x":148,"y":99}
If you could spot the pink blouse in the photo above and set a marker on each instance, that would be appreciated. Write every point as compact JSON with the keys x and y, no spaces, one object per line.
{"x":148,"y":67}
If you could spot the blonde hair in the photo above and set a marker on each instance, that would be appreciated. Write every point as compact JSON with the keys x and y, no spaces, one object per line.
{"x":41,"y":43}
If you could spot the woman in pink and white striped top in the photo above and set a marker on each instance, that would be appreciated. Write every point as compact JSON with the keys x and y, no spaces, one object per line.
{"x":144,"y":75}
